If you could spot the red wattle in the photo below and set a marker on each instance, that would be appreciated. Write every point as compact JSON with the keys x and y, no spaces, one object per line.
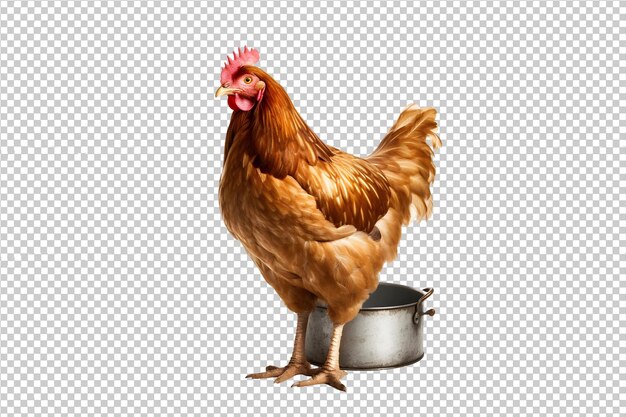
{"x":231,"y":103}
{"x":237,"y":102}
{"x":244,"y":103}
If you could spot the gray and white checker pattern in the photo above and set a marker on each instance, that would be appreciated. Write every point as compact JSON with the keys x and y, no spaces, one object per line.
{"x":121,"y":292}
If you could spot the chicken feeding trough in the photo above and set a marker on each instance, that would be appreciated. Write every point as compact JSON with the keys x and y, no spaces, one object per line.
{"x":387,"y":332}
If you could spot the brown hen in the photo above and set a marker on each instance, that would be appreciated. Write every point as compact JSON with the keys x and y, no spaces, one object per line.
{"x":319,"y":223}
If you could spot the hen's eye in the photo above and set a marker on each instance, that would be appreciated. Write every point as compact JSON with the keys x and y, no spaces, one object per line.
{"x":247,"y":80}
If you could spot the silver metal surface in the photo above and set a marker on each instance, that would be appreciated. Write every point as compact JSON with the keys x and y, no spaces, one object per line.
{"x":387,"y":332}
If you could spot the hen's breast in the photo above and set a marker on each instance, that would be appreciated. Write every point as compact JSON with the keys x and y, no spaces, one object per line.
{"x":258,"y":208}
{"x":239,"y":206}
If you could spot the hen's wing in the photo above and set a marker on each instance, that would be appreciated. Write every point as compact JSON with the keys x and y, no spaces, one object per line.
{"x":348,"y":190}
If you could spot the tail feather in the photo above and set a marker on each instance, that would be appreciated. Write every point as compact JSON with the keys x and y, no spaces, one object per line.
{"x":406,"y":158}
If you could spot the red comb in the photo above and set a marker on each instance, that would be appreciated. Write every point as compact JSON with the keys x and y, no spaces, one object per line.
{"x":240,"y":58}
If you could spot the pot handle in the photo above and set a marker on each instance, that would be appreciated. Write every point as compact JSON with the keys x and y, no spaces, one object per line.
{"x":418,"y":313}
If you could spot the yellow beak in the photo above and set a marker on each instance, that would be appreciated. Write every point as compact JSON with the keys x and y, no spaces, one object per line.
{"x":226,"y":91}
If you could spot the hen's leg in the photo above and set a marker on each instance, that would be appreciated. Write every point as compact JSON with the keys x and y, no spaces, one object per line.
{"x":298,"y":365}
{"x":329,"y":373}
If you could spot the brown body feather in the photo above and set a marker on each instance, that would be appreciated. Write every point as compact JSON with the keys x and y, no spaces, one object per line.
{"x":320,"y":223}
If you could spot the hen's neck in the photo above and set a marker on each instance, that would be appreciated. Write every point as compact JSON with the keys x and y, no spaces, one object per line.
{"x":280,"y":139}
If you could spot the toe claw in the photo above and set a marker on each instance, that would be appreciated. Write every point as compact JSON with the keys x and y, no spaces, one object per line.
{"x":338,"y":385}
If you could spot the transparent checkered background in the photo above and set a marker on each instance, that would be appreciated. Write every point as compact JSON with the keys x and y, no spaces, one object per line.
{"x":121,"y":293}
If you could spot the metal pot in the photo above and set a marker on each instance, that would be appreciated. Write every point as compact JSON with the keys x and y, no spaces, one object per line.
{"x":386,"y":333}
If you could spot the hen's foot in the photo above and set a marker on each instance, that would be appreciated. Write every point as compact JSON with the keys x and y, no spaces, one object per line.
{"x":324,"y":376}
{"x":286,"y":372}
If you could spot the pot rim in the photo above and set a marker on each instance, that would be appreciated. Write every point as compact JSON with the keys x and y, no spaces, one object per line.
{"x":420,"y":293}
